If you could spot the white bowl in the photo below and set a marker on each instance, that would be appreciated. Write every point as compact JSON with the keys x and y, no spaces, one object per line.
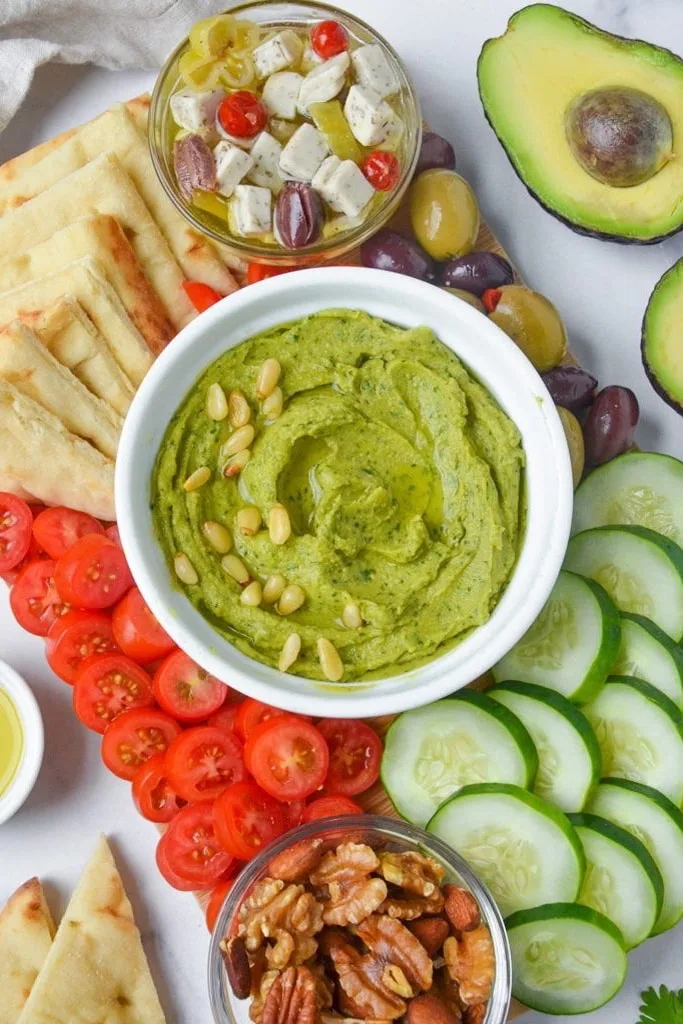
{"x":488,"y":353}
{"x":32,"y":756}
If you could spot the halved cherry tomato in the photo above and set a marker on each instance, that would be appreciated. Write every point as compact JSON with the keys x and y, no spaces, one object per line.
{"x":328,"y":38}
{"x":216,"y":900}
{"x":134,"y":737}
{"x":242,"y":114}
{"x":185,"y":690}
{"x":204,"y":761}
{"x":294,"y":813}
{"x":113,"y":533}
{"x":288,"y":757}
{"x":153,"y":794}
{"x":74,"y":637}
{"x":34,"y":554}
{"x":253,"y":712}
{"x":382,"y":169}
{"x":201,"y":295}
{"x":57,"y":529}
{"x":260,"y":271}
{"x":330,"y":807}
{"x":224,"y":718}
{"x":93,"y":573}
{"x":107,"y":685}
{"x":188,"y":854}
{"x":247,"y":819}
{"x":16,"y":520}
{"x":355,"y":755}
{"x":137,"y":632}
{"x":34,"y":599}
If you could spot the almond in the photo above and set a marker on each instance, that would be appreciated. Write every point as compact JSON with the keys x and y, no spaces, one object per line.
{"x":475,"y":1014}
{"x":461,"y":908}
{"x":427,"y":1009}
{"x":432,"y":932}
{"x":236,"y":960}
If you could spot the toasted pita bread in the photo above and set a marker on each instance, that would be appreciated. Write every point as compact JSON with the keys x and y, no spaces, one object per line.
{"x":40,"y":455}
{"x":84,"y":281}
{"x":26,"y":933}
{"x":26,"y":363}
{"x":12,"y":486}
{"x":96,"y":970}
{"x":101,"y":238}
{"x":72,"y":338}
{"x":102,"y":186}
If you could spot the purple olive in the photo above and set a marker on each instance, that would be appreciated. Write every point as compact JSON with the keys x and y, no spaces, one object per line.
{"x":476,"y":272}
{"x":387,"y":250}
{"x":570,"y":387}
{"x":435,"y":151}
{"x":299,"y":215}
{"x":194,"y":165}
{"x":610,"y":424}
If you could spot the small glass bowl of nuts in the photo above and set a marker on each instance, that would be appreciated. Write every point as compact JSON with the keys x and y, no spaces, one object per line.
{"x":355,"y":919}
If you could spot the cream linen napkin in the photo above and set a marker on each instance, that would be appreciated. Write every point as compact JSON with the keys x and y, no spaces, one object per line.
{"x":112,"y":33}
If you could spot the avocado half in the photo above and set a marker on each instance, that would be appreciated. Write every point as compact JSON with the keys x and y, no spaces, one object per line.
{"x":529,"y":76}
{"x":662,"y":343}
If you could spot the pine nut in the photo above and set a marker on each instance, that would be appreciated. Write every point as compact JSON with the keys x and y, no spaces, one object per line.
{"x":236,"y":568}
{"x":269,"y":375}
{"x":273,"y":587}
{"x":184,"y":569}
{"x":236,"y":463}
{"x":218,"y":536}
{"x":239,"y":410}
{"x":330,"y":661}
{"x":216,"y":402}
{"x":197,"y":479}
{"x":237,"y":442}
{"x":290,"y":652}
{"x":351,"y":616}
{"x":252,"y":595}
{"x":273,"y":404}
{"x":249,"y":520}
{"x":292,"y":597}
{"x":279,"y":526}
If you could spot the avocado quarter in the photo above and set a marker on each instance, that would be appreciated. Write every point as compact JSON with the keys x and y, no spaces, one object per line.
{"x":662,"y":339}
{"x":530,"y":76}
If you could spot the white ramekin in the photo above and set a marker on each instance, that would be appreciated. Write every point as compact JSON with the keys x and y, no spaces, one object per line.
{"x":487,"y":352}
{"x":32,"y":756}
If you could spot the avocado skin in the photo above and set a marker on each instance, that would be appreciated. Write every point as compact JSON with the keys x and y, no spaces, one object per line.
{"x":650,"y":371}
{"x":578,"y":229}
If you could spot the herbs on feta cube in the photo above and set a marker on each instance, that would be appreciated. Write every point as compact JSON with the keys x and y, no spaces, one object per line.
{"x":250,"y":210}
{"x":373,"y":69}
{"x":232,"y":163}
{"x":303,"y":154}
{"x":278,"y":53}
{"x":265,"y":157}
{"x":310,"y":59}
{"x":196,"y":111}
{"x":324,"y":82}
{"x":281,"y":92}
{"x":323,"y":174}
{"x":370,"y":118}
{"x":343,"y":186}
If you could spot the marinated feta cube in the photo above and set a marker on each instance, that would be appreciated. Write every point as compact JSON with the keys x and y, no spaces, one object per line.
{"x":232,"y":163}
{"x":324,"y":82}
{"x":346,"y":189}
{"x":373,"y":69}
{"x":265,"y":157}
{"x":303,"y":154}
{"x":277,"y":53}
{"x":370,"y":118}
{"x":323,"y":174}
{"x":196,"y":111}
{"x":250,"y":208}
{"x":281,"y":92}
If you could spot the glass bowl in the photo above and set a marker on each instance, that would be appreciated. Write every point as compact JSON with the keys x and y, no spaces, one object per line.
{"x":281,"y":14}
{"x":389,"y":834}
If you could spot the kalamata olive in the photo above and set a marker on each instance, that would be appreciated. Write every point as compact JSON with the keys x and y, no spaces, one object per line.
{"x":610,"y":424}
{"x":299,"y":215}
{"x":195,"y":167}
{"x":388,"y":250}
{"x":435,"y":151}
{"x":575,"y":443}
{"x":570,"y":387}
{"x":476,"y":272}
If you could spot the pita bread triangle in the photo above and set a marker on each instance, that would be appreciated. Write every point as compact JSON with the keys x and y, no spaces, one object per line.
{"x":26,"y":932}
{"x":96,"y":971}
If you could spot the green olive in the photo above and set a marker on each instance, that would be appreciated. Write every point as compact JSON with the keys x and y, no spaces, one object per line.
{"x":577,"y":449}
{"x":533,"y":323}
{"x":468,"y":297}
{"x":444,"y":213}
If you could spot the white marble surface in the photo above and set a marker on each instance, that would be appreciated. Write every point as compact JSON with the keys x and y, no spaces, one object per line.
{"x":601,"y":290}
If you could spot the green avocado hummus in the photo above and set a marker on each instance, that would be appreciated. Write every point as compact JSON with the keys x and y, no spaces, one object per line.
{"x":402,"y":477}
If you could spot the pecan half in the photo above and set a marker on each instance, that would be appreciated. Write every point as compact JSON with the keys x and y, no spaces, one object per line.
{"x":412,"y":871}
{"x":260,"y":994}
{"x":461,"y":908}
{"x":298,"y":861}
{"x":361,"y":991}
{"x":391,"y":940}
{"x":413,"y":907}
{"x":291,"y":998}
{"x":474,"y":1014}
{"x":427,"y":1009}
{"x":471,"y":962}
{"x":432,"y":933}
{"x":237,"y":967}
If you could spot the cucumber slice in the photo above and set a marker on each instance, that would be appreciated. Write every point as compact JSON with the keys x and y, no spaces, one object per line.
{"x":569,"y":761}
{"x":640,"y":570}
{"x":573,"y":643}
{"x":635,"y":489}
{"x":432,"y":752}
{"x":565,"y":958}
{"x":640,"y":732}
{"x":622,"y":879}
{"x":522,"y":848}
{"x":658,"y":823}
{"x":646,"y":652}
